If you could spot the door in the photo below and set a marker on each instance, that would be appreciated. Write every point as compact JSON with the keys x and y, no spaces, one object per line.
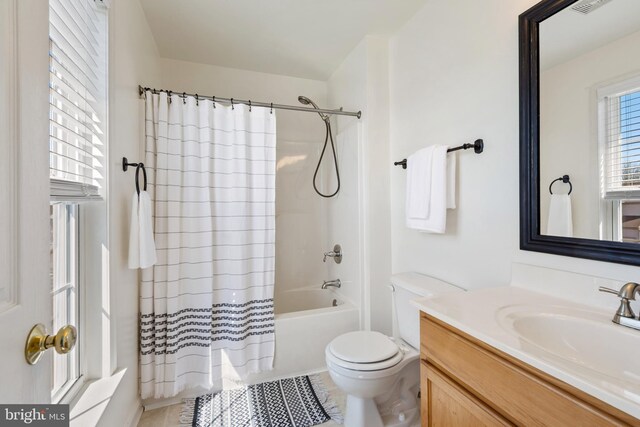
{"x":25,"y":286}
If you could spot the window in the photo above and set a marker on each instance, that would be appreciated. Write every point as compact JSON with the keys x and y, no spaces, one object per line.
{"x":619,"y":110}
{"x":64,"y":279}
{"x":77,"y":127}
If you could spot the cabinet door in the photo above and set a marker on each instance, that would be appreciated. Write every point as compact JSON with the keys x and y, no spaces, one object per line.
{"x":446,"y":404}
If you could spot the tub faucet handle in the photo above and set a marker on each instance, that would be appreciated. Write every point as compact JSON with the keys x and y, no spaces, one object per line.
{"x":336,"y":254}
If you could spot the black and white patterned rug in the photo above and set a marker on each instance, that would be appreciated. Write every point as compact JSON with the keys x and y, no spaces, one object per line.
{"x":292,"y":402}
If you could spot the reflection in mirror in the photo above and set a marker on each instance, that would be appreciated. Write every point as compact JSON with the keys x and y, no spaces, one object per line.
{"x":590,"y":121}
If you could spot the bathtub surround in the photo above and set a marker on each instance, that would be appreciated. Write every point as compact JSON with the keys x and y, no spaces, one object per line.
{"x":359,"y":219}
{"x":207,"y":305}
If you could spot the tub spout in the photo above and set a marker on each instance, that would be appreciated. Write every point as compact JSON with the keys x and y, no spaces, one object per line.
{"x":334,"y":283}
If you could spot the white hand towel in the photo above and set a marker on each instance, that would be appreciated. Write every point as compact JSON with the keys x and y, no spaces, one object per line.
{"x":419,"y":183}
{"x":134,"y":234}
{"x":142,"y":248}
{"x":451,"y":180}
{"x":560,"y":222}
{"x":435,"y":221}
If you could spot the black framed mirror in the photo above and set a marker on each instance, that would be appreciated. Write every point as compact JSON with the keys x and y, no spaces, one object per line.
{"x":564,"y":47}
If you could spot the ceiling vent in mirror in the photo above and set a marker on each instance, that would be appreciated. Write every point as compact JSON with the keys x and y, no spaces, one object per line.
{"x":588,"y":6}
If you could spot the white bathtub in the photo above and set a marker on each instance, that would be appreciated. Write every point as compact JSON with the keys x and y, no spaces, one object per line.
{"x":304,"y":299}
{"x":306,"y":321}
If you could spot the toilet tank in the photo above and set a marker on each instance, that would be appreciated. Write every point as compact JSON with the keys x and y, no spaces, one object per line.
{"x":409,"y":286}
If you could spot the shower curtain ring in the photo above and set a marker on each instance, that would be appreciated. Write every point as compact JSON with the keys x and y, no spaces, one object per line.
{"x":213,"y":101}
{"x":184,"y":97}
{"x":232,"y":107}
{"x":271,"y":111}
{"x":249,"y":105}
{"x":169,"y":96}
{"x":197,"y":100}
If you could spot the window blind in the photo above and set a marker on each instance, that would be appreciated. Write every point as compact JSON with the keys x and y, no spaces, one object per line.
{"x":77,"y":96}
{"x":622,"y":139}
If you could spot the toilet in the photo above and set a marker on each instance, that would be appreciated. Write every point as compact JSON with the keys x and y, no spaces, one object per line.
{"x":379,"y":374}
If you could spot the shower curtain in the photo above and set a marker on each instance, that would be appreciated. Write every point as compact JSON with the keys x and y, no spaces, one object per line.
{"x":207,"y":305}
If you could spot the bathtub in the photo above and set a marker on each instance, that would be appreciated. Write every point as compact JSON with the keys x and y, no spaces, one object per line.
{"x":306,"y":299}
{"x":306,"y":321}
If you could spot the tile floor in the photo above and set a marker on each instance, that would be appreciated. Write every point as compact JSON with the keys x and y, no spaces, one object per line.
{"x":170,"y":416}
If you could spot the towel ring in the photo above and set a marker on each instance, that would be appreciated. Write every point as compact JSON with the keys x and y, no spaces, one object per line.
{"x":565,"y":179}
{"x":144,"y":175}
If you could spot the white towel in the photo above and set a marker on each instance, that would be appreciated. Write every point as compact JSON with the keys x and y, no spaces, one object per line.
{"x":451,"y":180}
{"x":419,"y":183}
{"x":435,"y":187}
{"x":142,"y":248}
{"x":560,"y":222}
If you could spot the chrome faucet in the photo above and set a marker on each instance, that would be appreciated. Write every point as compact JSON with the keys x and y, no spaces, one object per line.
{"x":334,"y":283}
{"x":336,"y":254}
{"x":624,"y":315}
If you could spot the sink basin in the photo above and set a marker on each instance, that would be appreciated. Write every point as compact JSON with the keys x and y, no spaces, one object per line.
{"x":579,"y":339}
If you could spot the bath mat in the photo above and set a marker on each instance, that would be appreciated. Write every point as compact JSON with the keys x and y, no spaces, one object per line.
{"x":292,"y":402}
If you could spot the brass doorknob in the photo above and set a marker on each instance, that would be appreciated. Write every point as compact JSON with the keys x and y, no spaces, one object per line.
{"x":38,"y":341}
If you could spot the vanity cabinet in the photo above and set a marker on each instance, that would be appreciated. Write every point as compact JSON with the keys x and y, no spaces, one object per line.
{"x":465,"y":382}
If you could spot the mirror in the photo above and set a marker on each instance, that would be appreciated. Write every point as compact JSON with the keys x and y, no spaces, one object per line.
{"x":580,"y":129}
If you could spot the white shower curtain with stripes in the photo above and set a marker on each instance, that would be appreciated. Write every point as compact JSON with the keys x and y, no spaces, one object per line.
{"x":207,"y":304}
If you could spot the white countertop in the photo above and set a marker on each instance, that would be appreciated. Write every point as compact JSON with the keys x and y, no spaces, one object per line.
{"x":479,"y":312}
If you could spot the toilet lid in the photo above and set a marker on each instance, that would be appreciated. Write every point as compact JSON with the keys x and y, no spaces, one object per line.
{"x":363,"y":347}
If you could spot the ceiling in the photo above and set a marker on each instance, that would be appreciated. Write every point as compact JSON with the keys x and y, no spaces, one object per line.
{"x":300,"y":38}
{"x":569,"y":34}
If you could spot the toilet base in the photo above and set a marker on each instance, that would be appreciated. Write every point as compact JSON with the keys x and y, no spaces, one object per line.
{"x":362,"y":413}
{"x":365,"y":413}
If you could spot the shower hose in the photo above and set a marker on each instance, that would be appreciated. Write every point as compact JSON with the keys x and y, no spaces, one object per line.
{"x":328,"y":137}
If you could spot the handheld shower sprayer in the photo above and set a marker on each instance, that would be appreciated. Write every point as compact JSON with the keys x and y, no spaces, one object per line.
{"x":307,"y":101}
{"x":328,"y":136}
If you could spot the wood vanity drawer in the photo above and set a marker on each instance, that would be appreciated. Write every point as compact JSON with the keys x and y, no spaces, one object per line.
{"x":517,"y":391}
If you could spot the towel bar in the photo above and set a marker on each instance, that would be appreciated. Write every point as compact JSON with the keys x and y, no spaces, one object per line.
{"x":478,"y":147}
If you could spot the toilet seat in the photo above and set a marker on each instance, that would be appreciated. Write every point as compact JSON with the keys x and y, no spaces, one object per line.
{"x":364,"y":351}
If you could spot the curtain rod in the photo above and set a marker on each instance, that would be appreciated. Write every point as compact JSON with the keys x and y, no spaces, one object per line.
{"x":340,"y":112}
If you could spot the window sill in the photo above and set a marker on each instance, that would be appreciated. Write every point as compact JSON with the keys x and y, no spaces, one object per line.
{"x":91,"y":402}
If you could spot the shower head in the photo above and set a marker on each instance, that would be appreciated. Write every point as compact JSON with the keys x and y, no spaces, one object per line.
{"x":307,"y":101}
{"x":304,"y":100}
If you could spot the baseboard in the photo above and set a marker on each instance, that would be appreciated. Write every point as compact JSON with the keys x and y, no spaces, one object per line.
{"x":151,"y":404}
{"x":135,"y":417}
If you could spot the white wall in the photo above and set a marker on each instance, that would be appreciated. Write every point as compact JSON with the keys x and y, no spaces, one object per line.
{"x":568,"y":134}
{"x":359,"y":218}
{"x":133,"y":60}
{"x":300,"y":213}
{"x":454,"y":78}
